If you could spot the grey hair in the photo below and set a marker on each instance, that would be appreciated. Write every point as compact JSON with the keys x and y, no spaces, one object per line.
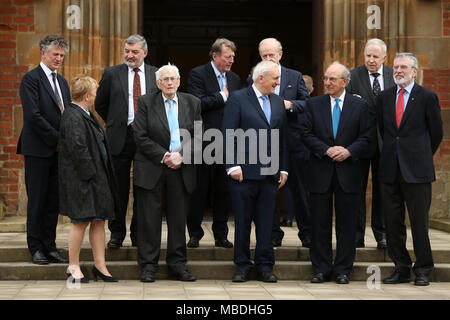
{"x":263,"y":69}
{"x":277,"y":43}
{"x":216,"y":47}
{"x":412,"y":57}
{"x":345,"y":73}
{"x":135,"y":38}
{"x":378,"y":43}
{"x":53,"y":40}
{"x":167,"y":67}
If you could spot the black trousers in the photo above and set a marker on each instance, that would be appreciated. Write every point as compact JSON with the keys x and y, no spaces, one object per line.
{"x":378,"y":223}
{"x":346,"y":207}
{"x":122,"y":165}
{"x":211,"y":178}
{"x":417,"y":197}
{"x":41,"y":180}
{"x":149,"y":205}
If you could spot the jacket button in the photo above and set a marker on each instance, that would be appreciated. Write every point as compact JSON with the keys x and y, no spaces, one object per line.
{"x":397,"y":138}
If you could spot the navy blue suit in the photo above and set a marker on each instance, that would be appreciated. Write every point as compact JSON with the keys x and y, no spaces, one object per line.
{"x":212,"y":178}
{"x":38,"y":143}
{"x":255,"y":197}
{"x":328,"y":177}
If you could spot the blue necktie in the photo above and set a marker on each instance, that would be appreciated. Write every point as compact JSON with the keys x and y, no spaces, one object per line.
{"x":174,"y":130}
{"x":336,"y":117}
{"x":221,"y":81}
{"x":266,"y":108}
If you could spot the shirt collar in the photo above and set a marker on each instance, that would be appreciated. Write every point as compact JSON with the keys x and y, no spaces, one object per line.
{"x":408,"y":88}
{"x":217,"y":72}
{"x":257,"y":92}
{"x":380,"y":71}
{"x":341,"y":98}
{"x":175,"y":98}
{"x":46,"y":69}
{"x":141,"y":68}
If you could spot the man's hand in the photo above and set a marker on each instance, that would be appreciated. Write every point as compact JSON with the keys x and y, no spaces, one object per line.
{"x":173,"y":160}
{"x":282,"y":181}
{"x":225,"y":90}
{"x":287,"y":104}
{"x":237,"y":175}
{"x":338,"y":153}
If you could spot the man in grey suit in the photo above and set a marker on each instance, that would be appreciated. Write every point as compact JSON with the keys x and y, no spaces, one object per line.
{"x":116,"y":102}
{"x":367,"y":82}
{"x":163,"y":168}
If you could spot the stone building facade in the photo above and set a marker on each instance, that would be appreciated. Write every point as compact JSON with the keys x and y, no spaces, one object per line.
{"x":95,"y":30}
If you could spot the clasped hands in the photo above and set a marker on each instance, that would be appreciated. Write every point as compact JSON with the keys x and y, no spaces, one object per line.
{"x":338,"y":153}
{"x":173,"y":160}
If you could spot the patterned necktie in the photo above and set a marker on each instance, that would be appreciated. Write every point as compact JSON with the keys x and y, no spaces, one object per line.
{"x":399,"y":107}
{"x":58,"y":98}
{"x":221,"y":85}
{"x":136,"y":89}
{"x":376,"y":85}
{"x":174,"y":130}
{"x":266,"y":108}
{"x":336,"y":117}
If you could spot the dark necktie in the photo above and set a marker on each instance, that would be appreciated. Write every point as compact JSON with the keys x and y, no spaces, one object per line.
{"x":376,"y":85}
{"x":136,"y":89}
{"x":399,"y":107}
{"x":57,"y":96}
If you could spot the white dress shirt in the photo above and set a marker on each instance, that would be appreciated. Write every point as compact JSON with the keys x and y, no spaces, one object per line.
{"x":380,"y":78}
{"x":224,"y":80}
{"x":130,"y":90}
{"x":48,"y":73}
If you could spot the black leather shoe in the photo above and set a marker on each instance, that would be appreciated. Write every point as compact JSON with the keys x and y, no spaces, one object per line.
{"x":342,"y":279}
{"x":320,"y":278}
{"x":382,"y":244}
{"x":276,"y":242}
{"x":55,"y":257}
{"x":39,"y":258}
{"x":183,"y":275}
{"x":422,"y":280}
{"x":114,"y":244}
{"x":286,"y":223}
{"x":240,"y":276}
{"x":359,"y":244}
{"x":397,"y":277}
{"x":267,"y":276}
{"x":193,"y":243}
{"x":306,"y":243}
{"x":148,"y":274}
{"x":224,"y":243}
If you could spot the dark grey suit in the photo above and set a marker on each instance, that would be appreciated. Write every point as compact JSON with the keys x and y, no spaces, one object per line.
{"x":360,"y":84}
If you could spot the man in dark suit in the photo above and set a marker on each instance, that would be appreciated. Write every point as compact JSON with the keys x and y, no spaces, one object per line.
{"x":212,"y":83}
{"x":337,"y":131}
{"x":116,"y":102}
{"x":161,"y":170}
{"x":367,"y":82}
{"x":44,"y":94}
{"x":292,"y":90}
{"x":410,"y":123}
{"x":255,"y":120}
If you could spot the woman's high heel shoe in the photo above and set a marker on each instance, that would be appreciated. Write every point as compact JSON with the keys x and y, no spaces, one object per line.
{"x":105,"y":278}
{"x":74,"y":280}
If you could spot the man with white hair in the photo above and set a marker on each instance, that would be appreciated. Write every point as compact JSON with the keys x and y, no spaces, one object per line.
{"x":337,"y":131}
{"x":160,"y":171}
{"x":410,"y":123}
{"x":367,"y":82}
{"x":258,"y":112}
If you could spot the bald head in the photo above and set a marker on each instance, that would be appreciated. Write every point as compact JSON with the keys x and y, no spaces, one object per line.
{"x":270,"y":49}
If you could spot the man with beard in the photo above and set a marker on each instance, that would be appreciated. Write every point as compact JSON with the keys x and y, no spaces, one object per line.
{"x":411,"y":130}
{"x":116,"y":102}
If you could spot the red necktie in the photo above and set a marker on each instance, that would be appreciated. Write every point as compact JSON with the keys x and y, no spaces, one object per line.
{"x":399,"y":108}
{"x":136,"y":89}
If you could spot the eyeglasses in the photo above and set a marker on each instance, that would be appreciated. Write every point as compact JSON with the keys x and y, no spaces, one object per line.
{"x":167,"y":80}
{"x":331,"y":79}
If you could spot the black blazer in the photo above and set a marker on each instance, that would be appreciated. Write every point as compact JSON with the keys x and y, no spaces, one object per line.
{"x":243,"y":111}
{"x":41,"y":114}
{"x":203,"y":84}
{"x":355,"y":133}
{"x":360,"y":84}
{"x":152,"y":136}
{"x":412,"y":146}
{"x":111,"y":102}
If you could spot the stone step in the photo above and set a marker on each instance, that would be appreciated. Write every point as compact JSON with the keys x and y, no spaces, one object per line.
{"x":205,"y":270}
{"x":13,"y":224}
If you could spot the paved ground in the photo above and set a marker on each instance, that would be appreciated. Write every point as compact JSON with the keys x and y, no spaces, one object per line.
{"x":219,"y":290}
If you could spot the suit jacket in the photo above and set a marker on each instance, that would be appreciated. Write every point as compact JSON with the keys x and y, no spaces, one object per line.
{"x":111,"y":102}
{"x":293,"y":88}
{"x":152,"y":136}
{"x":410,"y":147}
{"x":41,"y":114}
{"x":360,"y":84}
{"x":355,"y":133}
{"x":203,"y":84}
{"x":243,"y":111}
